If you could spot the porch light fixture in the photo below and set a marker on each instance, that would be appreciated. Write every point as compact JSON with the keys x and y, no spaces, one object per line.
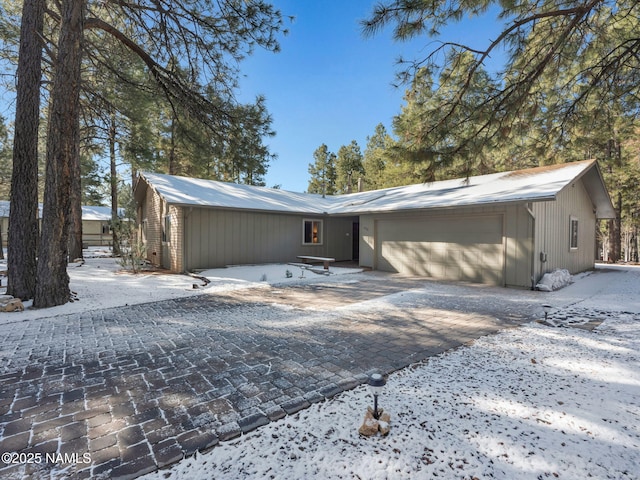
{"x":547,"y":309}
{"x":376,"y":385}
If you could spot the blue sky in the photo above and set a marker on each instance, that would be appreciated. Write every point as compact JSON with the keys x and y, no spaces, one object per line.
{"x":331,"y":85}
{"x":328,"y":84}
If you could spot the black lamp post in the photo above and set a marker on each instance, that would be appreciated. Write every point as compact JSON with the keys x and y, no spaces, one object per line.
{"x":376,"y":385}
{"x":547,"y":309}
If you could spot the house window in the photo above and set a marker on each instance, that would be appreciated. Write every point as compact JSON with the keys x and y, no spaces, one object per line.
{"x":106,"y":230}
{"x":166,"y":229}
{"x":573,"y":234}
{"x":312,"y":232}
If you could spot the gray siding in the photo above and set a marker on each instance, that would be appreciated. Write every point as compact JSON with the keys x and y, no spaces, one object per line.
{"x":518,"y":246}
{"x":150,"y":218}
{"x":91,"y":232}
{"x":468,"y":248}
{"x":4,"y":229}
{"x":503,"y":257}
{"x":203,"y":238}
{"x":553,"y":231}
{"x":173,"y":248}
{"x":216,"y":238}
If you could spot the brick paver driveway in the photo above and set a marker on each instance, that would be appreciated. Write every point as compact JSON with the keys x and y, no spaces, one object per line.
{"x":119,"y":392}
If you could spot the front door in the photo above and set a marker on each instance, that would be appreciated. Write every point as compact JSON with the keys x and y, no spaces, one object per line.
{"x":355,"y":238}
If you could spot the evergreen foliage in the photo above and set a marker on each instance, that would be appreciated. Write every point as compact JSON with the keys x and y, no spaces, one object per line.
{"x":349,"y":168}
{"x":101,"y":53}
{"x":323,"y":172}
{"x":568,"y":91}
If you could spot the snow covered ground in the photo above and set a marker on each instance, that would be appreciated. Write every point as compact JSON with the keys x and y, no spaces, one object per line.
{"x":534,"y":402}
{"x":100,"y":282}
{"x":529,"y":403}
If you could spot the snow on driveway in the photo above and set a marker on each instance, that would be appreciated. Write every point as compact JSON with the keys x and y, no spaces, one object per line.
{"x":609,"y":287}
{"x":533,"y":402}
{"x":528,"y":403}
{"x":100,"y":282}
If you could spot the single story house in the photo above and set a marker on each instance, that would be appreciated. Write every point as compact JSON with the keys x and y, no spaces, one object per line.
{"x":96,"y":223}
{"x":503,"y":229}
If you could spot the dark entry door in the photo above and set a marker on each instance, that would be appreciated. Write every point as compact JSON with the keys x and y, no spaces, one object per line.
{"x":355,"y":237}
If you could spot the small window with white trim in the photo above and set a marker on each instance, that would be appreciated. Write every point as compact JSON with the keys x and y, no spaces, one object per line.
{"x":311,"y":232}
{"x":573,"y":233}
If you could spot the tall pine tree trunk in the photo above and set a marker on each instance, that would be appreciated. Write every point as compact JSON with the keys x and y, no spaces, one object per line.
{"x":52,"y":287}
{"x":618,"y":229}
{"x":115,"y":220}
{"x":75,"y":219}
{"x":615,"y":235}
{"x":23,"y":215}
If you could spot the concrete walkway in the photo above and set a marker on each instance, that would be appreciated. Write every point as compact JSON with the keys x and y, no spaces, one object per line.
{"x":120,"y":392}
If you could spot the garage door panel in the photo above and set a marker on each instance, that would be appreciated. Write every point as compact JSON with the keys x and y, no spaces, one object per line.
{"x":471,"y":274}
{"x":452,"y":248}
{"x":492,"y":277}
{"x":422,"y":254}
{"x":492,"y":258}
{"x":389,"y":254}
{"x":452,"y":271}
{"x":434,"y":270}
{"x":456,"y":256}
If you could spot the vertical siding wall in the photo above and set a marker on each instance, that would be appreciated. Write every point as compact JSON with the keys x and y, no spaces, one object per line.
{"x":4,"y":223}
{"x":518,"y":246}
{"x":553,"y":231}
{"x":152,"y":210}
{"x":216,"y":238}
{"x":175,"y":249}
{"x":91,"y":232}
{"x":518,"y":241}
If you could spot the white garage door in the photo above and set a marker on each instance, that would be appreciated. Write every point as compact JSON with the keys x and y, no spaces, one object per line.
{"x":465,"y":248}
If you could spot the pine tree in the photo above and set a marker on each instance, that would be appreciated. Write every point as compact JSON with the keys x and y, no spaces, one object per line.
{"x":211,"y":39}
{"x":349,"y":168}
{"x":63,"y":144}
{"x":561,"y":58}
{"x":323,"y":172}
{"x":375,"y":158}
{"x":5,"y":161}
{"x":446,"y":144}
{"x":23,"y":215}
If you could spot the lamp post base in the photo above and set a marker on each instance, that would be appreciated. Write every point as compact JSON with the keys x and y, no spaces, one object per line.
{"x":372,"y":425}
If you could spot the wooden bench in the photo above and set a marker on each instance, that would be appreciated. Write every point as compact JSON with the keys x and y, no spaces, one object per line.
{"x":309,"y":259}
{"x":302,"y":267}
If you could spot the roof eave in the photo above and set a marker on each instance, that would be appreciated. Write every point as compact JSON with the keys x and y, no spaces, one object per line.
{"x":240,"y":209}
{"x":499,"y":203}
{"x":593,"y":182}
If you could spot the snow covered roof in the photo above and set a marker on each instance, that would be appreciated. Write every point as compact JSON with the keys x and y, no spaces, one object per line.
{"x":88,"y":212}
{"x":208,"y":193}
{"x":97,"y":213}
{"x":530,"y":185}
{"x":5,"y":206}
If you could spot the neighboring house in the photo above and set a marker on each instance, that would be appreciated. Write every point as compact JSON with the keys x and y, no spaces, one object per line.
{"x":503,"y":229}
{"x":4,"y":222}
{"x":95,"y":224}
